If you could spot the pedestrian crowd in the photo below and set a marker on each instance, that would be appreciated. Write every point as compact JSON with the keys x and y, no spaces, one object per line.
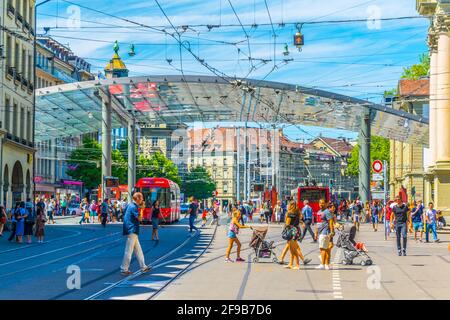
{"x":23,"y":221}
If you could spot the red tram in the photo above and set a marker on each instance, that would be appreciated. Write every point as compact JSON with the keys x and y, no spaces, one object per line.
{"x":311,"y":193}
{"x":168,"y":194}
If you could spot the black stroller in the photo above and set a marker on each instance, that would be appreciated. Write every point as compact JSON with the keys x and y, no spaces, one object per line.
{"x":263,"y":248}
{"x":352,"y":255}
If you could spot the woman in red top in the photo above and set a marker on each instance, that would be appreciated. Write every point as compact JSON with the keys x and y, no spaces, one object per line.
{"x":317,"y":224}
{"x":387,"y":219}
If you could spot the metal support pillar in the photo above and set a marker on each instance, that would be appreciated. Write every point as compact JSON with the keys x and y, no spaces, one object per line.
{"x":364,"y":156}
{"x":131,"y":136}
{"x":238,"y":167}
{"x":106,"y":141}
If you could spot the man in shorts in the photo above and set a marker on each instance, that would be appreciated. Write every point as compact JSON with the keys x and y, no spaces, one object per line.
{"x":357,"y":209}
{"x":417,"y":220}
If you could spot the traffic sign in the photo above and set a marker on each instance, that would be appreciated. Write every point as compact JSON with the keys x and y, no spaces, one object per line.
{"x":377,"y":177}
{"x":377,"y":166}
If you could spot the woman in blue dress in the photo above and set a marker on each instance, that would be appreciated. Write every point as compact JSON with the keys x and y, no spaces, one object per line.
{"x":20,"y":222}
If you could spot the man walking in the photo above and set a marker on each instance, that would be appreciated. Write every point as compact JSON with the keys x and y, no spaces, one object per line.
{"x":131,"y":231}
{"x":417,"y":220}
{"x":307,"y":213}
{"x":399,"y":219}
{"x":192,"y":211}
{"x":357,"y":209}
{"x":430,"y":219}
{"x":63,"y":207}
{"x":374,"y":214}
{"x":104,"y":211}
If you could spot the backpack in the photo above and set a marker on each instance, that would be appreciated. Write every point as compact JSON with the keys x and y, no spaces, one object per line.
{"x":286,"y":234}
{"x":31,"y":218}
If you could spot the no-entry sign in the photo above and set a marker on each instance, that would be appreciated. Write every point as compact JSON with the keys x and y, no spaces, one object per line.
{"x":377,"y":166}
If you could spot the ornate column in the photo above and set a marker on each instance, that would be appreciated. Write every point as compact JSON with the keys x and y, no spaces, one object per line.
{"x":441,"y":170}
{"x":432,"y":43}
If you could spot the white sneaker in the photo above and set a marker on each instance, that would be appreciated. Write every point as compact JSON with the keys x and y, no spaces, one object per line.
{"x":320,"y":266}
{"x":327,"y":267}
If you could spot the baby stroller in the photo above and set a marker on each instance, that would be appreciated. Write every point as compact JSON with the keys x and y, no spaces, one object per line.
{"x":263,"y":248}
{"x":352,"y":255}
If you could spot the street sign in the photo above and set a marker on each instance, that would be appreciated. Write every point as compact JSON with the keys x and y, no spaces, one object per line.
{"x":377,"y":177}
{"x":377,"y":166}
{"x":377,"y":195}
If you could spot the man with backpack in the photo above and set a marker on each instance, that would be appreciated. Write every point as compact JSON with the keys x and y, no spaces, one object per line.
{"x":308,"y":216}
{"x":192,"y":211}
{"x":30,"y":220}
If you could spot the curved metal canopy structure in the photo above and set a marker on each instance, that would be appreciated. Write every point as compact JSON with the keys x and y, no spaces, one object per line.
{"x":75,"y":108}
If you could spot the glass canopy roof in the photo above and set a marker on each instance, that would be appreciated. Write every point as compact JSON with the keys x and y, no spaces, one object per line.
{"x":75,"y":108}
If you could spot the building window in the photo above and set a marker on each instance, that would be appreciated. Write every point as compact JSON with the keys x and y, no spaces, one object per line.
{"x":18,"y":6}
{"x":14,"y":124}
{"x":16,"y":56}
{"x":8,"y":51}
{"x":154,"y":141}
{"x":225,"y":188}
{"x":22,"y":123}
{"x":25,"y":10}
{"x":29,"y":122}
{"x":23,"y":66}
{"x":30,"y":68}
{"x":7,"y":113}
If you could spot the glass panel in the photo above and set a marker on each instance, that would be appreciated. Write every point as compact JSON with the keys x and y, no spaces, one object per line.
{"x":312,"y":194}
{"x":153,"y":194}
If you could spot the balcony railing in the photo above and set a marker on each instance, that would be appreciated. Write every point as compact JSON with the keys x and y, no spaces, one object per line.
{"x":11,"y":9}
{"x":58,"y":74}
{"x":19,"y":17}
{"x":27,"y":26}
{"x":18,"y":77}
{"x":11,"y":71}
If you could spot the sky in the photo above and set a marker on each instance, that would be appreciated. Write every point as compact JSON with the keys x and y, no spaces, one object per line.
{"x":357,"y":59}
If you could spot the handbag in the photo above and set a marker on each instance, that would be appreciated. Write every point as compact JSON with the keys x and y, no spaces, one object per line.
{"x":286,"y":234}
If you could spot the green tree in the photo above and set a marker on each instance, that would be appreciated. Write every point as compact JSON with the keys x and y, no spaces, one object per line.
{"x":418,"y":70}
{"x":413,"y":72}
{"x":85,"y":164}
{"x":157,"y":165}
{"x":198,"y":183}
{"x":379,"y":150}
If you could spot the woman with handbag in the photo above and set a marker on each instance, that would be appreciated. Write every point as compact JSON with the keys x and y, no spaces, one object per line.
{"x":40,"y":225}
{"x":326,"y":233}
{"x":3,"y":219}
{"x":291,"y":233}
{"x":232,"y":236}
{"x":156,"y":213}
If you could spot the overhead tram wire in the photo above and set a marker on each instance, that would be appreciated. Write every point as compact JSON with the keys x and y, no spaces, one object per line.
{"x":274,"y":34}
{"x":212,"y":69}
{"x":245,"y":32}
{"x":359,"y":60}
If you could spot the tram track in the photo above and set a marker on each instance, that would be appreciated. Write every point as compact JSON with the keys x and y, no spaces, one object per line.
{"x":383,"y":256}
{"x":155,"y":265}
